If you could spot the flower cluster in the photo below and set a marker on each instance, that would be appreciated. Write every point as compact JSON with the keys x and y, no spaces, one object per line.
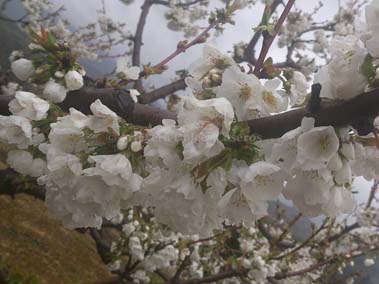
{"x":204,"y":169}
{"x":204,"y":173}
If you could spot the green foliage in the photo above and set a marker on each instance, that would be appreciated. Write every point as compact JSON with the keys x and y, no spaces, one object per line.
{"x":50,"y":56}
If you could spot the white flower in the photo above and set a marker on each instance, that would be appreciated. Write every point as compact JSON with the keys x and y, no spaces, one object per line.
{"x":299,"y":88}
{"x":75,"y":119}
{"x":123,"y":68}
{"x":136,"y":146}
{"x":23,"y":69}
{"x":136,"y":249}
{"x":63,"y":169}
{"x":15,"y":130}
{"x":212,"y":58}
{"x":103,"y":119}
{"x":372,"y":37}
{"x":340,"y":201}
{"x":115,"y":170}
{"x":67,"y":135}
{"x":309,"y":191}
{"x":243,"y":91}
{"x":161,"y":146}
{"x":122,"y":143}
{"x":23,"y":163}
{"x":366,"y":162}
{"x":255,"y":185}
{"x":185,"y":214}
{"x":200,"y":142}
{"x":161,"y":259}
{"x":195,"y":85}
{"x":284,"y":150}
{"x":235,"y":207}
{"x":369,"y":262}
{"x":261,"y":181}
{"x":128,"y":229}
{"x":84,"y":204}
{"x":28,"y":105}
{"x":106,"y":24}
{"x":218,"y":111}
{"x":342,"y":77}
{"x":348,"y":151}
{"x":273,"y":100}
{"x":10,"y":89}
{"x":344,"y":174}
{"x":73,"y":80}
{"x":54,"y":92}
{"x":134,"y":94}
{"x":59,"y":74}
{"x":82,"y":198}
{"x":317,"y":147}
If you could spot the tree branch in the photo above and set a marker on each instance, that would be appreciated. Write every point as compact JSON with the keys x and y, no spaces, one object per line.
{"x":336,"y":113}
{"x":216,"y":277}
{"x":268,"y":39}
{"x":181,"y":49}
{"x":181,"y":5}
{"x":249,"y":54}
{"x":373,"y":192}
{"x":136,"y":57}
{"x":163,"y":91}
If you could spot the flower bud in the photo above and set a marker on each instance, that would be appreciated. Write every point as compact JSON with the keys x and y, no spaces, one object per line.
{"x":369,"y":262}
{"x":73,"y":79}
{"x":122,"y":143}
{"x":136,"y":146}
{"x":23,"y":69}
{"x":54,"y":92}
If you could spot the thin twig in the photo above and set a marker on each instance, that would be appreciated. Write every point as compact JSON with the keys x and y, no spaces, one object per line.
{"x":286,"y":230}
{"x":183,"y":48}
{"x":373,"y":192}
{"x":249,"y":53}
{"x":268,"y":39}
{"x":136,"y":57}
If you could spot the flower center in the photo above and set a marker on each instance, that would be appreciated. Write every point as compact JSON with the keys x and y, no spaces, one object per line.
{"x":269,"y":98}
{"x":324,"y":143}
{"x":245,"y":93}
{"x":263,"y":180}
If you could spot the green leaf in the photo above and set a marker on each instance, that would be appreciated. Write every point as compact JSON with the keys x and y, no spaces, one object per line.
{"x":367,"y":67}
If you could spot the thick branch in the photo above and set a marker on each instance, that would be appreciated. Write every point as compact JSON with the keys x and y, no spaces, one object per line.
{"x":162,"y":91}
{"x":116,"y":99}
{"x":336,"y":113}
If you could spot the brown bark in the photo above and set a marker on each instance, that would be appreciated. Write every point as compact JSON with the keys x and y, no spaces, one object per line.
{"x":335,"y":113}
